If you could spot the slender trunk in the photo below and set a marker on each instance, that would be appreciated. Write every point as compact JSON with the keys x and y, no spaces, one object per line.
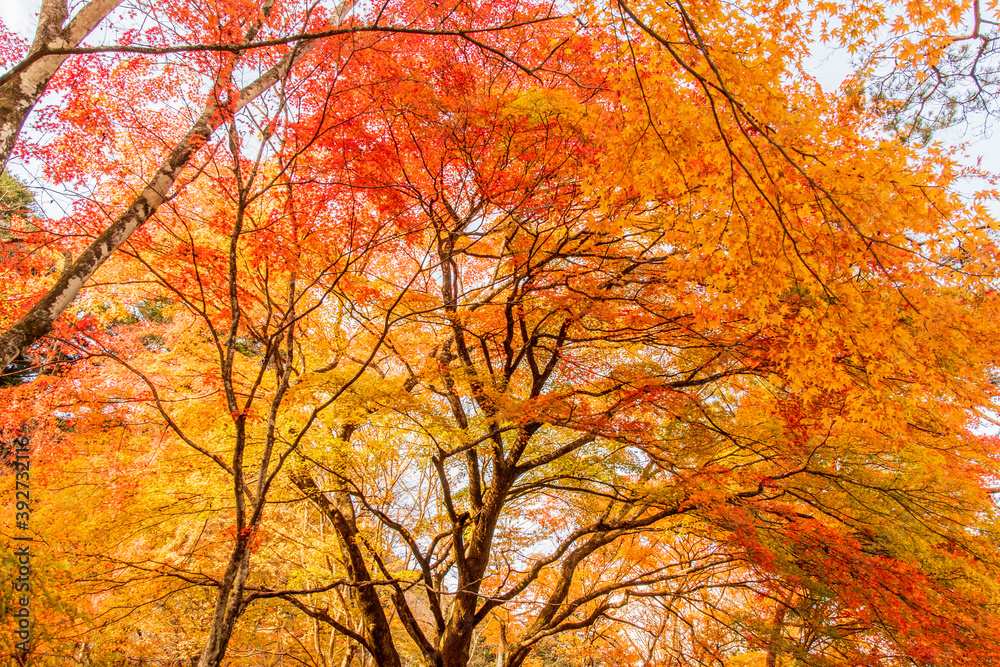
{"x":227,"y":606}
{"x":340,"y":512}
{"x":39,"y":320}
{"x":774,"y":642}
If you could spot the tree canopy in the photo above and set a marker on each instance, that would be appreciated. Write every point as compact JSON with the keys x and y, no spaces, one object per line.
{"x":463,"y":333}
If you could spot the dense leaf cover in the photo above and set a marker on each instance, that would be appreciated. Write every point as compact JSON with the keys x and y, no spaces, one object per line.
{"x":497,"y":333}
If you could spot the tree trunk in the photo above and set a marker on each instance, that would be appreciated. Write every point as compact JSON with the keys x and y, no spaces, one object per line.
{"x":340,"y":512}
{"x":227,"y":606}
{"x":39,"y":320}
{"x":777,"y":627}
{"x":19,"y":95}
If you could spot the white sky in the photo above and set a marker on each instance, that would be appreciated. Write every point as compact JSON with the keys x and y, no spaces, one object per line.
{"x":20,"y":16}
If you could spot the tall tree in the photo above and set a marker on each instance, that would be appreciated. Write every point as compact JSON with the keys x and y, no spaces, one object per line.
{"x":237,"y":29}
{"x":439,"y":362}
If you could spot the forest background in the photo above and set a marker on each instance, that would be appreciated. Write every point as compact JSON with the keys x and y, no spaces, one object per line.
{"x":461,"y":333}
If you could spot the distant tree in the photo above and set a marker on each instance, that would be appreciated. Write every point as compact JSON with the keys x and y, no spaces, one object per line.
{"x":15,"y":200}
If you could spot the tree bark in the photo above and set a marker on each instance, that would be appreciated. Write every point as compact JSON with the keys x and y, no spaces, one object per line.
{"x":777,"y":629}
{"x":40,"y":319}
{"x":227,"y":607}
{"x":340,"y":512}
{"x":19,"y":95}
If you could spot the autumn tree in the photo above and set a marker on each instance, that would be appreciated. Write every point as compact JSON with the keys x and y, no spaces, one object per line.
{"x":654,"y":354}
{"x":27,"y":81}
{"x":236,"y":36}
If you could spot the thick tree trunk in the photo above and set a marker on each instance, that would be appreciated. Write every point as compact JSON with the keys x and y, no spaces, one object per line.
{"x":19,"y":95}
{"x":39,"y":320}
{"x":457,"y":637}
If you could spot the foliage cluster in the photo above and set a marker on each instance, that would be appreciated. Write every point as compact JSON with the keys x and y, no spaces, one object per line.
{"x":463,"y":333}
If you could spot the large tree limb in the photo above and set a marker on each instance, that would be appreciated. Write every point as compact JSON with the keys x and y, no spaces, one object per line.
{"x":39,"y":320}
{"x":340,"y":512}
{"x":21,"y":92}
